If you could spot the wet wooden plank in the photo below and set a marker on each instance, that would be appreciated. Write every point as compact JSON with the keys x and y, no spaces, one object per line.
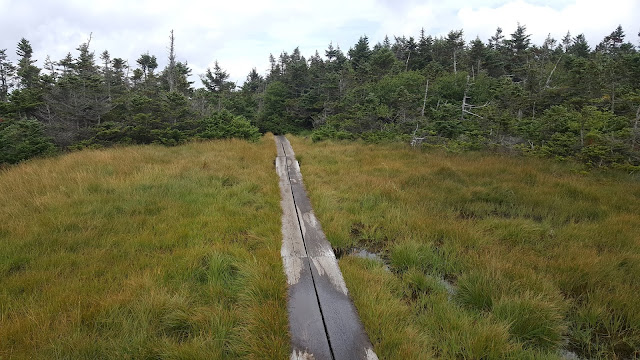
{"x":283,"y":144}
{"x":306,"y":325}
{"x":292,"y":241}
{"x":279,"y":147}
{"x":345,"y":331}
{"x":293,"y":168}
{"x":315,"y":241}
{"x":313,"y":274}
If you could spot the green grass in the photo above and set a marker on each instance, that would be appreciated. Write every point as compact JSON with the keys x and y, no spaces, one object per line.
{"x":542,"y":257}
{"x":143,"y":252}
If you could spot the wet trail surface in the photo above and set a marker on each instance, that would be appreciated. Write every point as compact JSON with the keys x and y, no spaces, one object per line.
{"x":323,"y":322}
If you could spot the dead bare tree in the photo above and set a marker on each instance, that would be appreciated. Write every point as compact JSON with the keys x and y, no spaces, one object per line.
{"x":635,"y":129}
{"x":424,"y":102}
{"x":171,"y":75}
{"x":415,"y":140}
{"x":406,"y":66}
{"x":546,"y":85}
{"x":455,"y":62}
{"x":466,"y":107}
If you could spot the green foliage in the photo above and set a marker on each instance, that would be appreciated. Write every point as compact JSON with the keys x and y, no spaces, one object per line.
{"x":274,"y":117}
{"x":23,"y":139}
{"x":328,"y":132}
{"x":224,"y":125}
{"x":559,"y":99}
{"x":146,"y":130}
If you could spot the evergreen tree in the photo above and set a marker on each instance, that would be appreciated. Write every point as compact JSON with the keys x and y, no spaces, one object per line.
{"x":477,"y":54}
{"x":496,"y":42}
{"x":216,"y":83}
{"x":7,"y":72}
{"x":67,"y":64}
{"x":454,"y":45}
{"x":359,"y":55}
{"x":425,"y":43}
{"x":106,"y":71}
{"x":254,"y":82}
{"x":566,"y":41}
{"x":579,"y":47}
{"x":26,"y":71}
{"x":519,"y":44}
{"x":28,"y":97}
{"x":148,"y":63}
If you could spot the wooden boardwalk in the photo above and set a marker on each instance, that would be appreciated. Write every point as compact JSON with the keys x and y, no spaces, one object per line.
{"x":323,"y":322}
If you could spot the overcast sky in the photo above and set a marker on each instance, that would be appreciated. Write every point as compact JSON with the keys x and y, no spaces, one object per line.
{"x":241,"y":34}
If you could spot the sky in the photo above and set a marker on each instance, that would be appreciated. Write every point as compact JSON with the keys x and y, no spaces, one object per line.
{"x":240,"y":34}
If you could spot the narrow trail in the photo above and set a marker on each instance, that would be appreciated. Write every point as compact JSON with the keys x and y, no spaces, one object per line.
{"x":323,"y":322}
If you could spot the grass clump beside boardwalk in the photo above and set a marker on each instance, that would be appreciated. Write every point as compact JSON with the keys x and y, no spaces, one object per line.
{"x":490,"y":256}
{"x":143,"y":252}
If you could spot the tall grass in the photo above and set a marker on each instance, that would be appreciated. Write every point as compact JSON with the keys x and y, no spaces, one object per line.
{"x":143,"y":252}
{"x":543,"y":257}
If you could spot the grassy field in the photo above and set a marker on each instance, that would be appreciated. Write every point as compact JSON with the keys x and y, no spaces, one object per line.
{"x":143,"y":252}
{"x":489,"y":256}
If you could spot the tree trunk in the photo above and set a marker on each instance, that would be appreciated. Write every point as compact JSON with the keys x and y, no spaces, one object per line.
{"x":172,"y":66}
{"x":635,"y":130}
{"x":546,"y":85}
{"x":406,"y":67}
{"x":533,"y":111}
{"x":455,"y":62}
{"x":613,"y":97}
{"x":424,"y":102}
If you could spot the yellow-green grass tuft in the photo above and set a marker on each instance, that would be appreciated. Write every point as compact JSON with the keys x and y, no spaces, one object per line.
{"x":143,"y":252}
{"x":541,"y":258}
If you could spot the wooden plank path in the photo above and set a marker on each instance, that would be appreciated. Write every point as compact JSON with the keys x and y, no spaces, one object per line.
{"x":323,"y":322}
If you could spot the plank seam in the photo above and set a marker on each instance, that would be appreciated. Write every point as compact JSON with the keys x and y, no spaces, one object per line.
{"x":315,"y":289}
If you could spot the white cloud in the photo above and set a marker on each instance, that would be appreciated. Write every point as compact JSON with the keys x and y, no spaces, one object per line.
{"x":241,"y":34}
{"x":594,"y":18}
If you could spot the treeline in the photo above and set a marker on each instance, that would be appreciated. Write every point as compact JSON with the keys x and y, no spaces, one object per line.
{"x":560,"y":99}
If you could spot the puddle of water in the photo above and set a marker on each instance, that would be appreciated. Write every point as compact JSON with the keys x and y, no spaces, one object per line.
{"x":365,"y":254}
{"x":568,"y":355}
{"x":451,"y":289}
{"x":362,"y":253}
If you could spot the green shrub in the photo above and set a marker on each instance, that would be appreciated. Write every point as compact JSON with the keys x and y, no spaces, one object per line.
{"x":146,"y":131}
{"x":328,"y":132}
{"x":224,"y":124}
{"x":23,"y":139}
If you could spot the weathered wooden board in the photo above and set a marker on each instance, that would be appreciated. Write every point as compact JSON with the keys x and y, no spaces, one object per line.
{"x":306,"y":324}
{"x":323,"y":321}
{"x":346,"y":334}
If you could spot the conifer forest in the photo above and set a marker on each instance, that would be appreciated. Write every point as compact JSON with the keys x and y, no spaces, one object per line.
{"x":562,"y":99}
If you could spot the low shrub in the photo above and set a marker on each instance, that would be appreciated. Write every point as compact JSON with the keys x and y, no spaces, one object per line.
{"x":23,"y":139}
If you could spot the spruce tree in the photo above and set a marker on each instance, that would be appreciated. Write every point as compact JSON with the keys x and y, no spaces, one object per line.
{"x":7,"y":72}
{"x":360,"y":53}
{"x":26,"y":71}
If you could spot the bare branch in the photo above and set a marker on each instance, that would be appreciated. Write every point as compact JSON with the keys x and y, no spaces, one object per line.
{"x":470,"y":113}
